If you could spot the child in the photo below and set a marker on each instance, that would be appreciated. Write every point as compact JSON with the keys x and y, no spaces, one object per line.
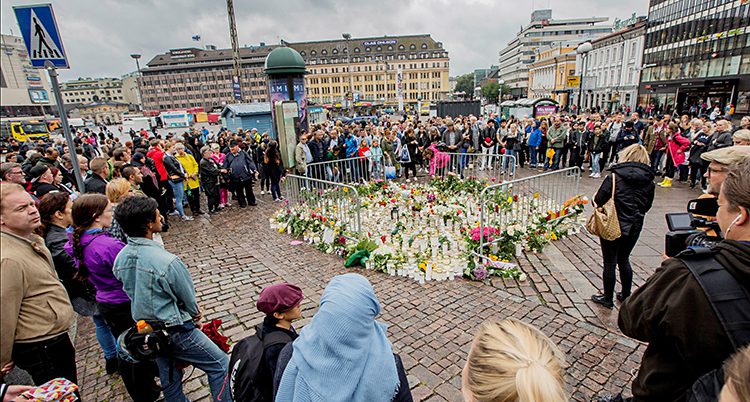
{"x":364,"y":157}
{"x":438,"y":160}
{"x":218,"y":157}
{"x":281,"y":304}
{"x":376,"y":160}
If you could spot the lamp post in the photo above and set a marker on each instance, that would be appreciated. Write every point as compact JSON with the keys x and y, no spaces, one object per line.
{"x":583,"y":50}
{"x":347,"y":37}
{"x":135,"y":57}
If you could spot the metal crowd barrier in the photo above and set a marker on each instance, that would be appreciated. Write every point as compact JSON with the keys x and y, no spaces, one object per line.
{"x":349,"y":170}
{"x":466,"y":165}
{"x":475,"y":165}
{"x":535,"y":194}
{"x":334,"y":200}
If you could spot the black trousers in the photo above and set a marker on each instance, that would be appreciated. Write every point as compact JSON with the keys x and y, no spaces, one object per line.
{"x":194,"y":200}
{"x":243,"y":191}
{"x":47,"y":360}
{"x":139,"y":378}
{"x":410,"y":166}
{"x":616,"y":254}
{"x":212,"y":195}
{"x":167,"y":198}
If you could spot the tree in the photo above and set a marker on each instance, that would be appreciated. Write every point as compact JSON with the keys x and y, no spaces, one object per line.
{"x":490,"y":91}
{"x":465,"y":84}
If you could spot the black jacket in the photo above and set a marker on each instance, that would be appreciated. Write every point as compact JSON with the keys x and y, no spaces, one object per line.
{"x":672,"y":314}
{"x":209,"y":172}
{"x":42,"y":189}
{"x":634,"y":194}
{"x":65,"y":265}
{"x":95,"y":184}
{"x":402,"y":395}
{"x":174,"y":169}
{"x":271,"y":357}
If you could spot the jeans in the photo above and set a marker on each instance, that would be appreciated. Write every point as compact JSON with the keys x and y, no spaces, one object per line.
{"x":532,"y":156}
{"x":616,"y":253}
{"x":47,"y":360}
{"x":190,"y":345}
{"x":656,"y":156}
{"x":556,"y":158}
{"x":507,"y":159}
{"x":178,"y":189}
{"x":275,"y":188}
{"x":595,"y":160}
{"x":104,"y":335}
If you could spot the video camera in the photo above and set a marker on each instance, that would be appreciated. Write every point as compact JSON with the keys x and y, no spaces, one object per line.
{"x":687,"y":230}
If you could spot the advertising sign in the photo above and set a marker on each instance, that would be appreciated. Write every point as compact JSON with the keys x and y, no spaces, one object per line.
{"x":278,"y":90}
{"x":545,"y":110}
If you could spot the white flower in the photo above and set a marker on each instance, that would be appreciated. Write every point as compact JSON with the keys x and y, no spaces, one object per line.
{"x":511,"y":230}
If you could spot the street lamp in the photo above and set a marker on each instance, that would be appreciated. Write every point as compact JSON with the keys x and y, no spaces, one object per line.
{"x":500,"y":91}
{"x":135,"y":57}
{"x":347,"y":37}
{"x":583,"y":50}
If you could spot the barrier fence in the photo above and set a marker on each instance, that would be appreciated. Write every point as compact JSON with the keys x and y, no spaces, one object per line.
{"x":362,"y":169}
{"x":517,"y":201}
{"x":335,"y":200}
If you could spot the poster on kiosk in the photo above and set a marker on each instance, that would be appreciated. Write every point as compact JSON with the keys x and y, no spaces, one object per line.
{"x":287,"y":126}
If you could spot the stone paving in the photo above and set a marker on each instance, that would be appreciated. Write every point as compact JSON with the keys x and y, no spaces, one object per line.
{"x":234,"y":254}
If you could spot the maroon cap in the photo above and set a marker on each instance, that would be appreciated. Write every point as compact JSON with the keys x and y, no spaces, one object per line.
{"x":278,"y":298}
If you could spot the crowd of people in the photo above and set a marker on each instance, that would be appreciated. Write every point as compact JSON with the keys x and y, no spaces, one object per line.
{"x":96,"y":251}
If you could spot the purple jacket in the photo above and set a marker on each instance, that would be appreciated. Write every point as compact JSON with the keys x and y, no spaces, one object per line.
{"x":99,"y":252}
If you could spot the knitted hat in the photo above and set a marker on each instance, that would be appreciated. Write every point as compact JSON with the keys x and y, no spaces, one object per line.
{"x":279,"y":297}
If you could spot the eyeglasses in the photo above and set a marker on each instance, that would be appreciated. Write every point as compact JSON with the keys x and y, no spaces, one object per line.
{"x":17,"y":172}
{"x":714,"y":170}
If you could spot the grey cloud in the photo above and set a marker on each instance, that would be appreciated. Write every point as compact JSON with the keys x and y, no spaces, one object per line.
{"x":99,"y":36}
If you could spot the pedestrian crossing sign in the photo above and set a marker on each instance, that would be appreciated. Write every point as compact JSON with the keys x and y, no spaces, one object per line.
{"x":40,"y":33}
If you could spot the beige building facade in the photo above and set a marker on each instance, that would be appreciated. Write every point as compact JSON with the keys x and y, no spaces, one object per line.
{"x":548,"y":76}
{"x":373,"y":70}
{"x":108,"y":112}
{"x":24,"y":90}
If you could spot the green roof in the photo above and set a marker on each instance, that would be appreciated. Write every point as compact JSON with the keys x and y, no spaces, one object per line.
{"x":284,"y":60}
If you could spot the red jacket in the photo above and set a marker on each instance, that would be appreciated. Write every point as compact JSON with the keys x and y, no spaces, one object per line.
{"x":677,"y":145}
{"x":158,"y":156}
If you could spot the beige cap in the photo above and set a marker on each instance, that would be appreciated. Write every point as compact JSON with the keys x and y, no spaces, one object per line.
{"x":741,"y":135}
{"x":728,"y":155}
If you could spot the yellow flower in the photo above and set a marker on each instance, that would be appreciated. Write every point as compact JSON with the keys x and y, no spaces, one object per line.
{"x":553,"y":236}
{"x":493,"y":257}
{"x":536,"y":195}
{"x":423,"y":266}
{"x":510,"y":200}
{"x":281,"y":230}
{"x":346,"y":189}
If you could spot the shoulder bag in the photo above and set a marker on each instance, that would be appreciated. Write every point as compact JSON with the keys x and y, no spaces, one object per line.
{"x":603,"y":222}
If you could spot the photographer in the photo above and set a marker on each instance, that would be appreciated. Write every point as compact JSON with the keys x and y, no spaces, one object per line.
{"x":718,"y":161}
{"x":683,"y":292}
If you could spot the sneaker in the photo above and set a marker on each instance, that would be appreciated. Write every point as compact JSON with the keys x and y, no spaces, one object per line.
{"x":592,"y":174}
{"x":262,"y":192}
{"x":602,"y":301}
{"x":174,"y":213}
{"x":187,"y":218}
{"x":597,"y":175}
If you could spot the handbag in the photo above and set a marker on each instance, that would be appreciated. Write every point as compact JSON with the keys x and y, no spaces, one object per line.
{"x":390,"y":172}
{"x":603,"y":222}
{"x":405,"y":155}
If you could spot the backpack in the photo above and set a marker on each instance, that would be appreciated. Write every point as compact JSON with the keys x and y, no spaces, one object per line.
{"x":245,"y":364}
{"x":731,"y":303}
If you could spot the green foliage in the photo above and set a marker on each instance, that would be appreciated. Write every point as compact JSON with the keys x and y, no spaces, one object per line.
{"x":465,"y":83}
{"x":490,"y":91}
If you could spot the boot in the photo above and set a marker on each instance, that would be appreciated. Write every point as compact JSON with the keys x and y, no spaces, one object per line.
{"x":666,"y":183}
{"x":602,"y":301}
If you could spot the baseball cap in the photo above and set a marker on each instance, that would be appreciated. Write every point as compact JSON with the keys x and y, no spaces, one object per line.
{"x":728,"y":155}
{"x":278,"y":297}
{"x":37,"y":171}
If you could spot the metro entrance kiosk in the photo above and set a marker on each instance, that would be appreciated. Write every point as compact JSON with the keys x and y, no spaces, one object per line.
{"x":45,"y":48}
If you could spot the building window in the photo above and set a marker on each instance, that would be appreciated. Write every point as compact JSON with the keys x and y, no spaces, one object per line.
{"x":356,"y":50}
{"x":367,"y":49}
{"x":413,"y":47}
{"x":401,"y":47}
{"x":335,"y":51}
{"x":313,"y":53}
{"x":390,"y":47}
{"x":302,"y":53}
{"x":424,"y":46}
{"x":324,"y":52}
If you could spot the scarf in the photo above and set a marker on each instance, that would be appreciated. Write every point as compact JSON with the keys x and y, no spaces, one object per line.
{"x":343,"y":354}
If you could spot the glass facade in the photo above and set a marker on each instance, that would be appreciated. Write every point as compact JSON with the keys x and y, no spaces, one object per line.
{"x":696,"y":53}
{"x":696,"y":45}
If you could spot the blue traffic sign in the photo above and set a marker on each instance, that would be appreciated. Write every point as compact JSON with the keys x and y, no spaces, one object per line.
{"x":40,"y":33}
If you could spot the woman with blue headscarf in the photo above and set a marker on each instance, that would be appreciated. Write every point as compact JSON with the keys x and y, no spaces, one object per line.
{"x":343,"y":354}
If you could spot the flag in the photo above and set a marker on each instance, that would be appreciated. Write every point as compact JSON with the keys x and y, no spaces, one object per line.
{"x":197,"y":38}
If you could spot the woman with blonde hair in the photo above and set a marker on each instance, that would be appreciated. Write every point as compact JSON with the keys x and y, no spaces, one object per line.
{"x":631,"y":185}
{"x":736,"y":371}
{"x":117,"y":190}
{"x":513,"y":361}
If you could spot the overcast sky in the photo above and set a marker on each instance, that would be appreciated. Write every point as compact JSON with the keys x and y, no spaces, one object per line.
{"x":99,"y":35}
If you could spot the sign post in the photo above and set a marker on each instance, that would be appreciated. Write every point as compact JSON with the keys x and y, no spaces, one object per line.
{"x":45,"y":48}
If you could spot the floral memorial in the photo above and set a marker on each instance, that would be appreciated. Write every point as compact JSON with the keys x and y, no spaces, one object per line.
{"x":430,"y":231}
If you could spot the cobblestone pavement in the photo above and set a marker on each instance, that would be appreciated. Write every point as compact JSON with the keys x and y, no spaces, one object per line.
{"x":234,"y":254}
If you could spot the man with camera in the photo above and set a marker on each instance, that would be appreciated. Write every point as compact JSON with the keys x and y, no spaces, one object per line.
{"x":707,"y":287}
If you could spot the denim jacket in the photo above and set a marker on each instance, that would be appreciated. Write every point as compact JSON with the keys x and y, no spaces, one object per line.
{"x":157,"y":282}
